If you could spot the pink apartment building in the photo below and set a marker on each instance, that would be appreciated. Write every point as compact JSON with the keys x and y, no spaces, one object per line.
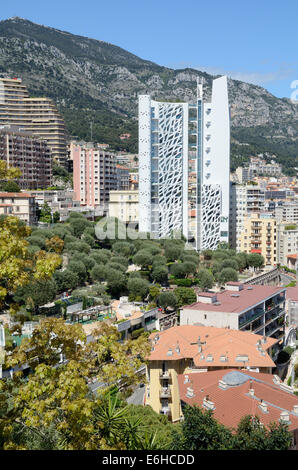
{"x":94,"y":175}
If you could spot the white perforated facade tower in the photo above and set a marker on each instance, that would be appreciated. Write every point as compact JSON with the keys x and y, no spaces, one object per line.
{"x":184,"y":167}
{"x":163,"y":167}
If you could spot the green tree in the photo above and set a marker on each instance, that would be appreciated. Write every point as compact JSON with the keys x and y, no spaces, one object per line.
{"x":123,"y":248}
{"x":116,"y":282}
{"x":200,"y":431}
{"x":160,"y":274}
{"x":154,"y":292}
{"x":242,"y":260}
{"x":66,"y":280}
{"x":137,"y":288}
{"x":172,"y":251}
{"x":78,"y":225}
{"x":36,"y":293}
{"x":79,"y":268}
{"x":178,"y":270}
{"x":205,"y":279}
{"x":255,"y":260}
{"x":252,"y":435}
{"x":228,"y":274}
{"x":56,"y":217}
{"x":45,"y":214}
{"x":143,"y":258}
{"x":10,"y":187}
{"x":166,"y":300}
{"x":185,"y":296}
{"x":17,"y":265}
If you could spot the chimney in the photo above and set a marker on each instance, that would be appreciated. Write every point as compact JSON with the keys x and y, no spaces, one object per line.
{"x":190,"y":392}
{"x":170,"y":352}
{"x":251,"y":392}
{"x":186,"y":379}
{"x":264,"y":339}
{"x":177,"y":349}
{"x":263,"y":406}
{"x":209,"y":405}
{"x":284,"y":417}
{"x":222,"y":384}
{"x":295,"y":409}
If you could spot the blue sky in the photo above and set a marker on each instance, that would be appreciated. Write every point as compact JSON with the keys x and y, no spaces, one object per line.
{"x":253,"y":40}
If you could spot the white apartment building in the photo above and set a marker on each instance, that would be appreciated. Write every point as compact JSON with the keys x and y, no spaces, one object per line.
{"x":21,"y":205}
{"x":184,"y":164}
{"x":287,"y":242}
{"x":287,"y":212}
{"x":257,"y":309}
{"x":61,"y":201}
{"x":244,"y":200}
{"x":124,"y":205}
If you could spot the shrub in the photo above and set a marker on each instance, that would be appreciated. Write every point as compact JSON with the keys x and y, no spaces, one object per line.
{"x":137,"y":288}
{"x":98,"y":272}
{"x":182,"y":282}
{"x":136,"y":333}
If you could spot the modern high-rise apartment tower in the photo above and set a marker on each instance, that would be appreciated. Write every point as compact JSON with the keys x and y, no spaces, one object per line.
{"x":39,"y":116}
{"x":184,"y":167}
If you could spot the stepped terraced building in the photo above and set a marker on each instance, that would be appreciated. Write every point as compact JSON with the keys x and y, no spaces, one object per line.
{"x":184,"y":165}
{"x":38,"y":116}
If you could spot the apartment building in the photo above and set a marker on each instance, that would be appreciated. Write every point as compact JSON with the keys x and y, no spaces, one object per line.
{"x":170,"y":135}
{"x":259,"y":235}
{"x":232,"y":394}
{"x":191,"y":349}
{"x":30,"y":154}
{"x":287,"y":242}
{"x":21,"y":205}
{"x":94,"y":176}
{"x":244,"y":200}
{"x":38,"y":116}
{"x":124,"y":205}
{"x":122,"y":174}
{"x":287,"y":212}
{"x":258,"y":309}
{"x":61,"y":201}
{"x":292,"y":306}
{"x":132,"y":316}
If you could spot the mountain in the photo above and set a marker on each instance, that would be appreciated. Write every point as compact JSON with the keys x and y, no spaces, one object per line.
{"x":94,"y":81}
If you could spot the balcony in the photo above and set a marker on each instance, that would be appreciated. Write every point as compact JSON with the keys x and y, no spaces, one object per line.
{"x":244,"y":322}
{"x":165,"y":392}
{"x":166,"y":411}
{"x":275,"y":313}
{"x":165,"y":375}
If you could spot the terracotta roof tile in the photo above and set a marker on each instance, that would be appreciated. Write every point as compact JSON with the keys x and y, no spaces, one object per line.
{"x":234,"y":402}
{"x":216,"y":342}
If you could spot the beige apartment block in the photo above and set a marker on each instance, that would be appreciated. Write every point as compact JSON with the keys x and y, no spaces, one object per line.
{"x":259,"y":235}
{"x":21,"y":205}
{"x":192,"y":349}
{"x":39,"y":116}
{"x":124,"y":205}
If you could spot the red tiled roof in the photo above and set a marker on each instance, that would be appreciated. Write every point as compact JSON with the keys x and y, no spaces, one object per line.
{"x":246,"y":298}
{"x":24,"y":195}
{"x":292,"y":293}
{"x":234,"y":402}
{"x":217,"y":342}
